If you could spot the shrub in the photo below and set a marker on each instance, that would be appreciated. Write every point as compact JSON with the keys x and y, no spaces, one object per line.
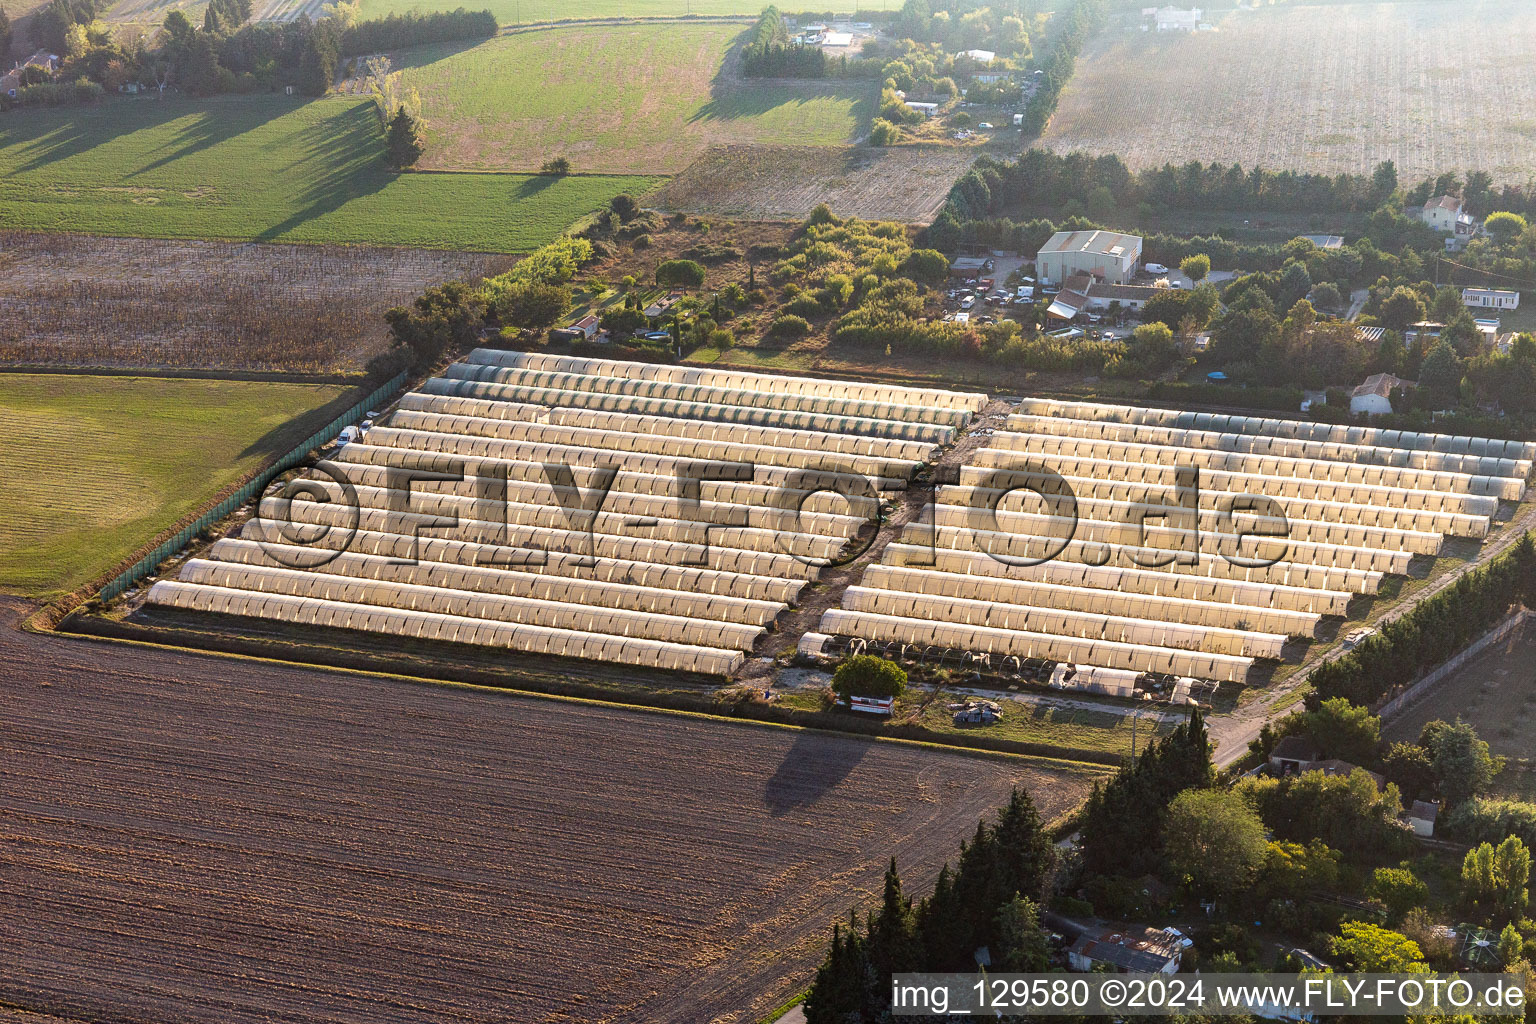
{"x":803,"y":306}
{"x":865,"y":675}
{"x":559,"y":167}
{"x":883,"y":133}
{"x":788,"y":326}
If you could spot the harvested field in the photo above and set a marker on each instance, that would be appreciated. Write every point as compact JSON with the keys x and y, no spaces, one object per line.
{"x":905,"y":183}
{"x":1433,"y":86}
{"x":206,"y":840}
{"x":513,"y":102}
{"x":92,"y":468}
{"x":522,"y":12}
{"x":1496,"y":692}
{"x":78,"y":300}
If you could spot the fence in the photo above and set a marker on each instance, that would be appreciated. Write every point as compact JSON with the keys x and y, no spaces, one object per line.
{"x":146,"y":565}
{"x":1411,"y":695}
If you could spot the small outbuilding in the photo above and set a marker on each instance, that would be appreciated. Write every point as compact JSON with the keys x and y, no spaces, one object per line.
{"x":1293,"y":755}
{"x":1422,"y":816}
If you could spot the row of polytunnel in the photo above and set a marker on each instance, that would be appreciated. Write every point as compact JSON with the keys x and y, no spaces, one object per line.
{"x":644,"y":515}
{"x":1118,"y":539}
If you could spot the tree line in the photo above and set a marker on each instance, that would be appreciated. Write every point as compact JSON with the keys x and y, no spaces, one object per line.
{"x":1081,"y":20}
{"x":770,"y":53}
{"x":1432,"y":632}
{"x":229,"y":53}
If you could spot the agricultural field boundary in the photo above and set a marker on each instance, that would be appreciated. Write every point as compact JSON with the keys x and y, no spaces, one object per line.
{"x":172,"y":540}
{"x":186,"y":373}
{"x":563,"y":684}
{"x":1426,"y":683}
{"x":641,"y":19}
{"x":98,"y":629}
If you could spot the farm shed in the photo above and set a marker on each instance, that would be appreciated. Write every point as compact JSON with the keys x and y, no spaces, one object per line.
{"x":1490,"y":298}
{"x":1422,"y":816}
{"x":446,"y":522}
{"x":1109,"y":256}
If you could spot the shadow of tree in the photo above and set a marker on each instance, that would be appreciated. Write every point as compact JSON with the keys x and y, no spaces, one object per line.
{"x":339,"y":158}
{"x":812,"y":767}
{"x":280,"y":440}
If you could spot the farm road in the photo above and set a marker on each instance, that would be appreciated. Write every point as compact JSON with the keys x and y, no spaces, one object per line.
{"x":201,"y":839}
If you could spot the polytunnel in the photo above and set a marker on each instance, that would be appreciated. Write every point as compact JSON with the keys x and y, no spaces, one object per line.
{"x":431,"y":626}
{"x":1040,"y":594}
{"x":1243,"y":594}
{"x":510,"y":582}
{"x":983,"y":639}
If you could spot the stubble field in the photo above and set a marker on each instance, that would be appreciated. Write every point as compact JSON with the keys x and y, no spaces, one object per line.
{"x":1431,"y":86}
{"x":265,"y":168}
{"x":904,"y":183}
{"x":515,"y":12}
{"x":92,"y":468}
{"x":77,"y":300}
{"x":221,"y":841}
{"x":620,"y":99}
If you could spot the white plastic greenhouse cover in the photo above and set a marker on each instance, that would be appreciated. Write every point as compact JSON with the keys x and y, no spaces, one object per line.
{"x":727,"y":378}
{"x":1004,"y":461}
{"x":666,"y":574}
{"x":739,"y":550}
{"x":1043,"y":594}
{"x":1210,"y":519}
{"x":620,"y":514}
{"x":431,"y":626}
{"x":456,"y":388}
{"x":1103,"y":653}
{"x":1258,"y":444}
{"x":1317,"y":510}
{"x":842,"y":404}
{"x":1319,"y":470}
{"x":1302,"y":429}
{"x":491,"y":580}
{"x":1064,"y":622}
{"x":704,"y":631}
{"x":529,"y":482}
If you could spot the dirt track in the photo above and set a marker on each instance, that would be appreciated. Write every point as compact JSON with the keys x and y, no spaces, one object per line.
{"x":206,"y":840}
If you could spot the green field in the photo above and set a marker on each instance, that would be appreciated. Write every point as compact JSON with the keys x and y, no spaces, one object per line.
{"x":636,"y":98}
{"x":91,"y":468}
{"x":265,"y":168}
{"x":515,"y":12}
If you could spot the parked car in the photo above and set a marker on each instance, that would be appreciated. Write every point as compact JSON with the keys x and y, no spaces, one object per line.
{"x":1156,"y":268}
{"x":985,"y":126}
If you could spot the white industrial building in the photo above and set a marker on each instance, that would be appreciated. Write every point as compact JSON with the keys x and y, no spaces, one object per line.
{"x":1108,"y":256}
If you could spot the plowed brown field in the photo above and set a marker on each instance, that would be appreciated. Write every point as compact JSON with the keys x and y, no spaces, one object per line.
{"x":194,"y":839}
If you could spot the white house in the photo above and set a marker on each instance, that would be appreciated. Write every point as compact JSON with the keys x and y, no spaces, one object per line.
{"x":1130,"y":296}
{"x":1374,"y":396}
{"x":1490,"y":298}
{"x":979,"y":56}
{"x":1107,"y":255}
{"x":1446,"y":215}
{"x":1175,"y":19}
